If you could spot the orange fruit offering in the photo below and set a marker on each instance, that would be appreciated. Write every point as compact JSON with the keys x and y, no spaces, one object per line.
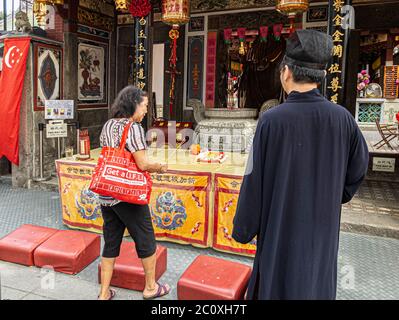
{"x":195,"y":149}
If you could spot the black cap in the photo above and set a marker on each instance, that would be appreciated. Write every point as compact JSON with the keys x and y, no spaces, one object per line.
{"x":309,"y":49}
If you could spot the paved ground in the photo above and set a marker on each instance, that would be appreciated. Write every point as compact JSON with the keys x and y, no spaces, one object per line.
{"x":374,"y":210}
{"x":368,"y":266}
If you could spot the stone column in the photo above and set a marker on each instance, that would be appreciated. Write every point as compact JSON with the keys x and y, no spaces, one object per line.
{"x":22,"y":175}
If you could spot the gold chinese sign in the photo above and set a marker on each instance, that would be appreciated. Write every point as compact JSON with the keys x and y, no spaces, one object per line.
{"x":40,"y":9}
{"x":96,"y":20}
{"x":339,"y":33}
{"x":141,"y":76}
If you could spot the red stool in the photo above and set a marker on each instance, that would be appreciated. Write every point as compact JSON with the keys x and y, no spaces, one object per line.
{"x":19,"y":245}
{"x":128,"y":270}
{"x":209,"y":278}
{"x":68,"y":251}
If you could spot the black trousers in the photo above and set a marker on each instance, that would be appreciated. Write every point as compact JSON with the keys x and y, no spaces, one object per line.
{"x":137,"y":220}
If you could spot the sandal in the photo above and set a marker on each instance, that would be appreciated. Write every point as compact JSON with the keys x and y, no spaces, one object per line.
{"x":111,"y":296}
{"x":162,"y":291}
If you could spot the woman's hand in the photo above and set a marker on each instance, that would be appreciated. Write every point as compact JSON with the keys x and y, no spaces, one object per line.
{"x":144,"y":164}
{"x":163,"y":168}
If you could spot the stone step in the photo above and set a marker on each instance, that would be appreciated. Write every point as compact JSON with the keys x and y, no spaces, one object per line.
{"x":371,"y":224}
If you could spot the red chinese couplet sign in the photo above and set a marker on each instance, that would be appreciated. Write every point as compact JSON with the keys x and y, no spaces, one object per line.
{"x":16,"y":50}
{"x":211,"y":70}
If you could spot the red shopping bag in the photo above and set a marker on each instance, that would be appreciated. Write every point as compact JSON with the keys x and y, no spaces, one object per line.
{"x":116,"y":175}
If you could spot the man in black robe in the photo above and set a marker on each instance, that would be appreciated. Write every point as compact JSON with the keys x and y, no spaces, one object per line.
{"x":308,"y":157}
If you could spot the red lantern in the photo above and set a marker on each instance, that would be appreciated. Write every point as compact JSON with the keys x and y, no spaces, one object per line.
{"x":175,"y":12}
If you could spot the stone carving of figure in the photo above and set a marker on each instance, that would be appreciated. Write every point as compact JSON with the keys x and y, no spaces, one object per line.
{"x":22,"y":23}
{"x":199,"y":115}
{"x":199,"y":109}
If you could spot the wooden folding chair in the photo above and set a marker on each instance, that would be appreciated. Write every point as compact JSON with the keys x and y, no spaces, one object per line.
{"x":387,"y":132}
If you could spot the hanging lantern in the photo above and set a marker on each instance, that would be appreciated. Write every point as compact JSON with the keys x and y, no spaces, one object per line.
{"x":122,"y":5}
{"x":291,"y":8}
{"x":174,"y":13}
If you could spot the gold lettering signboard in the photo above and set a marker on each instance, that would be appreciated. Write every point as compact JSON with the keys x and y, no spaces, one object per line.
{"x":142,"y":45}
{"x":339,"y":32}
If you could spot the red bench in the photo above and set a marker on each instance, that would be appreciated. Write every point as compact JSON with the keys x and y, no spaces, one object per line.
{"x":19,"y":245}
{"x":68,"y":251}
{"x":209,"y":278}
{"x":128,"y":270}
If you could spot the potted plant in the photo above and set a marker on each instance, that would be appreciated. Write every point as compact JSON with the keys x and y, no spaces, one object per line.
{"x":363,"y":79}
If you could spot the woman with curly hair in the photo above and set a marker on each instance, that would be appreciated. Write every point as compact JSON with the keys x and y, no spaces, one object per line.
{"x":130,"y":106}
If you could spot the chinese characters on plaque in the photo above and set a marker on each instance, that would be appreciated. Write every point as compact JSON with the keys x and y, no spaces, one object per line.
{"x":141,"y":78}
{"x":339,"y":33}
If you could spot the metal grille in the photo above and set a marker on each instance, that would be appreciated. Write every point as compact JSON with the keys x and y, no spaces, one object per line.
{"x":369,"y":112}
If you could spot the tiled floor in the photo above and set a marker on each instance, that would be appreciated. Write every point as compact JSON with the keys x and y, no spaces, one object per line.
{"x":376,"y":197}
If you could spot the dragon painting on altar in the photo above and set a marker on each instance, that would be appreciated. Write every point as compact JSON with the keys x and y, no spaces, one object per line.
{"x":87,"y":205}
{"x":169,"y":212}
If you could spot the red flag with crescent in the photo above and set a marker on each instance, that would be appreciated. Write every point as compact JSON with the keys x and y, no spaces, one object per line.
{"x":16,"y":51}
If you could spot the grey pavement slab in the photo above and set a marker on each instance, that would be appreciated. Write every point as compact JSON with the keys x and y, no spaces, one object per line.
{"x":19,"y":277}
{"x":36,"y":297}
{"x":12,"y":294}
{"x":64,"y":287}
{"x":368,"y":266}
